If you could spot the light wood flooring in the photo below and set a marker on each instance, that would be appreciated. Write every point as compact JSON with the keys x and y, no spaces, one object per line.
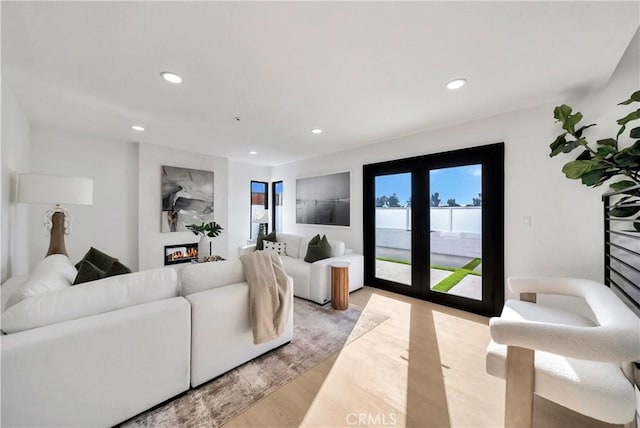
{"x":422,"y":367}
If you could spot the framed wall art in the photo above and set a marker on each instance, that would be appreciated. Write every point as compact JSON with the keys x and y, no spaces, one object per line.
{"x":187,"y":198}
{"x":325,"y":199}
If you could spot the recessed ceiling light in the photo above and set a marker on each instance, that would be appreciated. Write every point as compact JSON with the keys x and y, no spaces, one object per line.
{"x":457,"y":83}
{"x":137,"y":127}
{"x":253,"y":153}
{"x":171,"y":77}
{"x":316,"y":131}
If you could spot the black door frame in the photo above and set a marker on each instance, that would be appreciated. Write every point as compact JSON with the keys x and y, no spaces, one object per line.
{"x":491,"y":157}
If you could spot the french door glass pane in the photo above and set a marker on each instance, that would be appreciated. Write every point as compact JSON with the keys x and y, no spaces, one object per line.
{"x":455,"y":206}
{"x":393,"y":227}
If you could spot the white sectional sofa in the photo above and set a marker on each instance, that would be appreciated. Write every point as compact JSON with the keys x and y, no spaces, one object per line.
{"x":99,"y":353}
{"x":312,"y":281}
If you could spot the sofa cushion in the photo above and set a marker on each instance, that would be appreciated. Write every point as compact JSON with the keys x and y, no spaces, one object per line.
{"x":276,"y":247}
{"x":261,"y":238}
{"x":203,"y":276}
{"x":318,"y":249}
{"x":292,"y":242}
{"x":54,"y":272}
{"x":337,"y":248}
{"x":91,"y":298}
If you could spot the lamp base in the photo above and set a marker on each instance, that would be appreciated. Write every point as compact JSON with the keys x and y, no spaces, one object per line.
{"x":56,"y":243}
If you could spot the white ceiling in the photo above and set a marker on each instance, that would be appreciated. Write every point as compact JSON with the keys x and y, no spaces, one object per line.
{"x":364,"y":72}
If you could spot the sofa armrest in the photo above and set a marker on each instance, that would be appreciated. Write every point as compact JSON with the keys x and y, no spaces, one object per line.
{"x":247,"y":249}
{"x":321,"y":276}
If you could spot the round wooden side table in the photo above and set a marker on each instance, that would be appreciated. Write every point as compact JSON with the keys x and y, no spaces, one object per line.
{"x":340,"y":285}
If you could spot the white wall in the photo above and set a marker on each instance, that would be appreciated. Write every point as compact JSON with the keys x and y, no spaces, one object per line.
{"x":111,"y":223}
{"x":565,"y":237}
{"x":16,"y":151}
{"x":152,"y":240}
{"x":240,"y":176}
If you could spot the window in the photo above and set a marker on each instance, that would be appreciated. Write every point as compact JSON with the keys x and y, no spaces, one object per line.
{"x":277,"y":192}
{"x":259,"y":208}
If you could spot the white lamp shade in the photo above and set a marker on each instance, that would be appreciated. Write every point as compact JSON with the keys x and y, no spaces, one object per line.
{"x":261,"y":216}
{"x":51,"y":189}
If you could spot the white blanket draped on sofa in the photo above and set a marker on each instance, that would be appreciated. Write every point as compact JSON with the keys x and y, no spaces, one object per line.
{"x":269,"y":299}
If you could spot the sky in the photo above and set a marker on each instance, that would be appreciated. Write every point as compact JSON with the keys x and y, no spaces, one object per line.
{"x":463,"y":183}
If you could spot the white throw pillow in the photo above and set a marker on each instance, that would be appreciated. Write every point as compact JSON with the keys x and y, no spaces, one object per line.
{"x":54,"y":272}
{"x":91,"y":298}
{"x":277,"y":247}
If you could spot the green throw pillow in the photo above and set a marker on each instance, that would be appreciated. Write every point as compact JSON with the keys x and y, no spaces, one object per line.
{"x":97,"y":265}
{"x":259,"y":240}
{"x":99,"y":259}
{"x":87,"y":271}
{"x":318,"y":249}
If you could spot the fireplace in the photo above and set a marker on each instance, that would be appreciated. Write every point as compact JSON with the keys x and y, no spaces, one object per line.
{"x":181,"y":253}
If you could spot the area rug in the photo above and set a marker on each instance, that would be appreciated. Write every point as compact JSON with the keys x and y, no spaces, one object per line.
{"x":318,"y":333}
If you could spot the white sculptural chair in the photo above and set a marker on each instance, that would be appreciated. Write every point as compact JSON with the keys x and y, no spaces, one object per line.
{"x":577,"y":360}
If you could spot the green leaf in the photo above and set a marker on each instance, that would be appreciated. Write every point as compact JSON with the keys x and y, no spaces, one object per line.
{"x":620,"y":185}
{"x":561,"y":113}
{"x":634,"y":150}
{"x":608,"y":142}
{"x":593,"y":177}
{"x":628,"y":118}
{"x":571,"y":122}
{"x":582,"y":128}
{"x":635,"y":133}
{"x":558,"y":143}
{"x":571,"y":145}
{"x":605,"y":151}
{"x":635,"y":97}
{"x":577,"y":168}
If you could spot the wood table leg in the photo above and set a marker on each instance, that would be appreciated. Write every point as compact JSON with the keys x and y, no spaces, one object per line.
{"x":520,"y":379}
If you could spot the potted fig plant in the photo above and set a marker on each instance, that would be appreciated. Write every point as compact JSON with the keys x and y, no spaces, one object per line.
{"x":206,"y":231}
{"x":605,"y":160}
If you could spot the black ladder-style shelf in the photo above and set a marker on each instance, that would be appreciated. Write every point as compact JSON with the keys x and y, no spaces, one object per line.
{"x":622,"y":250}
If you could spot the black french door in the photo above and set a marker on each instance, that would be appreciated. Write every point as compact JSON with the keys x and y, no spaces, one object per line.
{"x":434,"y":227}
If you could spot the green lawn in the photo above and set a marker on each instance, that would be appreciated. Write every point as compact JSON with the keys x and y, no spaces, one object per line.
{"x":450,"y":281}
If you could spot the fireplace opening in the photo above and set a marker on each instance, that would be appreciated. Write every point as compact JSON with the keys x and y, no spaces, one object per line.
{"x":182,"y":253}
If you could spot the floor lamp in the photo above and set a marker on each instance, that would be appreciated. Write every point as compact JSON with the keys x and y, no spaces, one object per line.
{"x":50,"y":189}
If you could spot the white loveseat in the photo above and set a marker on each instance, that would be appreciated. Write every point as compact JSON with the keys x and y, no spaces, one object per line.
{"x":99,"y":353}
{"x":312,"y":281}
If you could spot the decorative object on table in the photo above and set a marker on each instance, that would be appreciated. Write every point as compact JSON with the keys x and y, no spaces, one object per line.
{"x":213,"y":259}
{"x":205,"y":231}
{"x":340,"y":285}
{"x":50,"y":189}
{"x":325,"y":199}
{"x":262,"y":219}
{"x":594,"y":166}
{"x":187,"y":197}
